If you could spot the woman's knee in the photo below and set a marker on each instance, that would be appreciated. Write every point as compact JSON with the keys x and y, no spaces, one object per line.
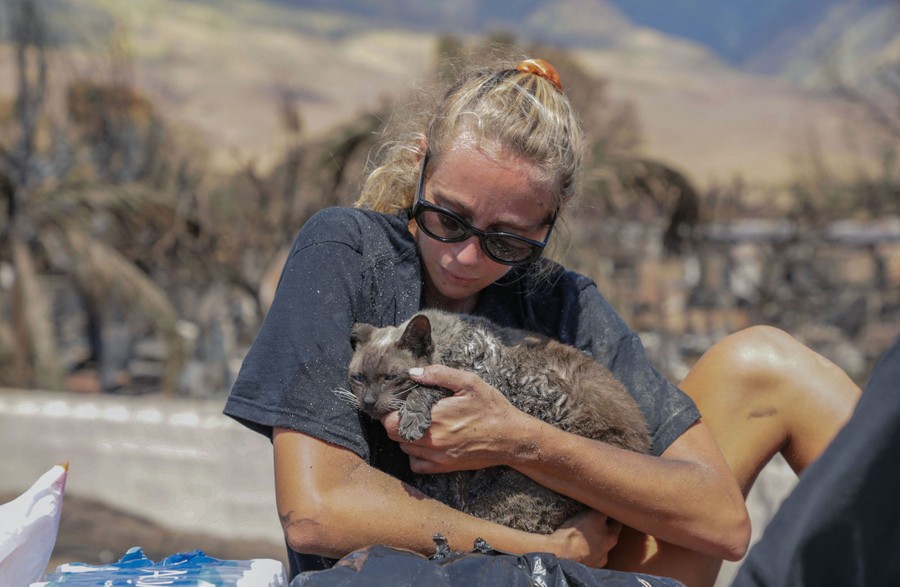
{"x":758,"y":356}
{"x":763,"y":364}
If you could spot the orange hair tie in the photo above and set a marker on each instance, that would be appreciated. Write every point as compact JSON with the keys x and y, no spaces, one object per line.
{"x":543,"y":69}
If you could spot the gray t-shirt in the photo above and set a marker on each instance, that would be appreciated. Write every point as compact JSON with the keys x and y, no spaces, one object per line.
{"x":349,"y":265}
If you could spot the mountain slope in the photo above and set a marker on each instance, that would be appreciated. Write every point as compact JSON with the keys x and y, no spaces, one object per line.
{"x":561,"y":22}
{"x":734,"y":29}
{"x":851,"y":41}
{"x":800,"y":40}
{"x":223,"y":67}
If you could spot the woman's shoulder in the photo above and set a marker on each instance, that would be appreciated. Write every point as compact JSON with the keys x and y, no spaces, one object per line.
{"x":352,"y":220}
{"x":354,"y":227}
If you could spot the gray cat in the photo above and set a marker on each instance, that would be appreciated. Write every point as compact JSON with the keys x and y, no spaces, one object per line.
{"x":547,"y":379}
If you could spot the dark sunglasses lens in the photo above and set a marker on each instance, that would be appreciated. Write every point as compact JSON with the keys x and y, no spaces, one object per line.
{"x":440,"y":225}
{"x":444,"y":227}
{"x":508,"y":249}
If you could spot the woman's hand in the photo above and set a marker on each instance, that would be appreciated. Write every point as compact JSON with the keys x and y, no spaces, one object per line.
{"x":472,"y":429}
{"x":587,"y":538}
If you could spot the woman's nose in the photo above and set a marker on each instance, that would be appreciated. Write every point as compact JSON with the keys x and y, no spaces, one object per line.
{"x":468,"y":252}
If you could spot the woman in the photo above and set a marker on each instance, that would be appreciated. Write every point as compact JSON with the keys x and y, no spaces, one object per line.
{"x":457,"y":218}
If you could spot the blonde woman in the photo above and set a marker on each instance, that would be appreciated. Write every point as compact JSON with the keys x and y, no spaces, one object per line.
{"x":457,"y":217}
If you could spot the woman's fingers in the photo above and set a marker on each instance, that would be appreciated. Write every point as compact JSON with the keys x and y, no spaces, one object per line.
{"x":447,"y":377}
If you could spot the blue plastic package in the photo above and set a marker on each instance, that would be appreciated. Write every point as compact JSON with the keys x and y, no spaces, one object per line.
{"x":187,"y":569}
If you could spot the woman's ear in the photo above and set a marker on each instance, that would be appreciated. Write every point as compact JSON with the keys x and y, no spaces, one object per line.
{"x":423,"y":147}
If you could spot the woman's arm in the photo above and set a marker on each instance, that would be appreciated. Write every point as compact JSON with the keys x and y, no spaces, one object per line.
{"x":331,"y":502}
{"x":687,"y":497}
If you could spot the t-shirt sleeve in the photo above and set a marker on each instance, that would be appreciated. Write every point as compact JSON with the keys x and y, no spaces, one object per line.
{"x":603,"y":333}
{"x":302,"y":350}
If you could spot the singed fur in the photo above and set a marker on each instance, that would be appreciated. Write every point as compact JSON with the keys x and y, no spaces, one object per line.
{"x":541,"y":376}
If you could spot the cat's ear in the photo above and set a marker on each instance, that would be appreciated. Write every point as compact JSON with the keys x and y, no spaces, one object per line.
{"x":360,"y":334}
{"x":417,"y":337}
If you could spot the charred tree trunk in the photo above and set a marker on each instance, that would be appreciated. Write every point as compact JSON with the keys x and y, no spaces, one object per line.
{"x":32,"y":317}
{"x":35,"y":321}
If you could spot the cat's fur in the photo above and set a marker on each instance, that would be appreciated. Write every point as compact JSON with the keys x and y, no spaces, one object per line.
{"x":543,"y":377}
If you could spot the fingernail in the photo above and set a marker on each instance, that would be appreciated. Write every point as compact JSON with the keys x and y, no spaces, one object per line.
{"x":416,"y":371}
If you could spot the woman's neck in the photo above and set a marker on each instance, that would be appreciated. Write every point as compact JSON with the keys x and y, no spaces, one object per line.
{"x":434,"y":300}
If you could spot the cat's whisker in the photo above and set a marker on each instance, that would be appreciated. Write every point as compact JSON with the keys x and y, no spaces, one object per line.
{"x":396,"y":403}
{"x":399,"y":397}
{"x":410,"y":388}
{"x":347,"y":396}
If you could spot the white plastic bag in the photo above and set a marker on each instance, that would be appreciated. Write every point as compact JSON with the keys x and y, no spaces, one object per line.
{"x":28,"y":527}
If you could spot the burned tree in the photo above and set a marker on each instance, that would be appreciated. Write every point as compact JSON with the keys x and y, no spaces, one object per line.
{"x":47,"y":227}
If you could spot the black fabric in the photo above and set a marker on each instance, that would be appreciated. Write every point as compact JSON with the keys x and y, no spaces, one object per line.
{"x":841,"y":523}
{"x":345,"y":266}
{"x":483,"y":567}
{"x":350,"y":265}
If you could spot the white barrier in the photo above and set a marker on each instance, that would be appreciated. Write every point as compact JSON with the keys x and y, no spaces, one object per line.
{"x":180,"y":463}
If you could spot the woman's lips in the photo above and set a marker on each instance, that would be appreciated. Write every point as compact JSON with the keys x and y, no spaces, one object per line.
{"x":459,"y":279}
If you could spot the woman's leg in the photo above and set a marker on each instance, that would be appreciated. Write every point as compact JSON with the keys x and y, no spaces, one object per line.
{"x":760,"y":392}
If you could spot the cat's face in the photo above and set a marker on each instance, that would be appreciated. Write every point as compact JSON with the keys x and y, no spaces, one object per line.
{"x":382,"y":357}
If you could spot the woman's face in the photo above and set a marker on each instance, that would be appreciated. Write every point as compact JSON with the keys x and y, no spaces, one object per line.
{"x":492,"y":193}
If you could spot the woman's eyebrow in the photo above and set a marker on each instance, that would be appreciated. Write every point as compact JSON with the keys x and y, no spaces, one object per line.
{"x":463,"y":211}
{"x":451,"y":204}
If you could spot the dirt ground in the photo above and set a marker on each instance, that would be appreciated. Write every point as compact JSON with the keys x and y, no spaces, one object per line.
{"x":95,"y":533}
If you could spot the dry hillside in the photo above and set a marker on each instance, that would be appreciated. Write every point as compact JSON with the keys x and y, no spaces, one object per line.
{"x":221,"y":69}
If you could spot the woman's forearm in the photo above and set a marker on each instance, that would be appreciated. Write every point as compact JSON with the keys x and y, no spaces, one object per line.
{"x":688,"y":497}
{"x":330,"y":503}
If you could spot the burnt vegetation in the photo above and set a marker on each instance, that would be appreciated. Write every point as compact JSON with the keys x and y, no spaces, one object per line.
{"x":128,"y":264}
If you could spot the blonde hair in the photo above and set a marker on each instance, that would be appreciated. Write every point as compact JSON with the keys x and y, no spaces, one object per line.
{"x":519,"y":113}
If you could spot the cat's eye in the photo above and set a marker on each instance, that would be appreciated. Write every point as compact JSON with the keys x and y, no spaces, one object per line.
{"x":390,"y":377}
{"x":357,"y":378}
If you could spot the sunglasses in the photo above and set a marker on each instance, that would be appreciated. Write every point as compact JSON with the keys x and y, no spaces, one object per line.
{"x":445,"y":226}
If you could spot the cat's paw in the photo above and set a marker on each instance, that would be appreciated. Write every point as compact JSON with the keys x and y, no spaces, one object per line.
{"x":413,"y":426}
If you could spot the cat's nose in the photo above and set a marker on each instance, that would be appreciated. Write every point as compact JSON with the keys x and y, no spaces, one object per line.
{"x":368,"y":401}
